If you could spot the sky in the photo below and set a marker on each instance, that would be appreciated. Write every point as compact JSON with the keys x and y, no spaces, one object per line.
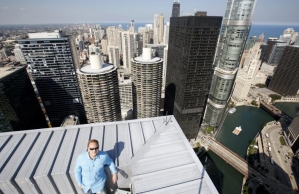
{"x":99,"y":11}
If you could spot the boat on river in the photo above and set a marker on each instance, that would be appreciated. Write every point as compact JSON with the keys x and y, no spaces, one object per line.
{"x":232,"y":110}
{"x":237,"y":130}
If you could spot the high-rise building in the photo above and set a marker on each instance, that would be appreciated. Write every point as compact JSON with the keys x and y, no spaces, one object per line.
{"x":132,"y":27}
{"x":148,"y":35}
{"x":234,"y":32}
{"x":189,"y":68}
{"x":52,"y":61}
{"x":285,"y":80}
{"x":99,"y":86}
{"x":138,"y":44}
{"x":128,"y":49}
{"x":114,"y":55}
{"x":175,"y":9}
{"x":161,"y":28}
{"x":104,"y":44}
{"x":246,"y":75}
{"x":19,"y":54}
{"x":114,"y":37}
{"x":166,"y":33}
{"x":156,"y":28}
{"x":19,"y":107}
{"x":126,"y":99}
{"x":276,"y":53}
{"x":147,"y":83}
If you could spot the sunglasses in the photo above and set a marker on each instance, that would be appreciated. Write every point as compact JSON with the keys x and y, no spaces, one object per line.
{"x":94,"y":148}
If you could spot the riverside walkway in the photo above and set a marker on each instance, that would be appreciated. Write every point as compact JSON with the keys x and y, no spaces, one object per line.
{"x":243,"y":167}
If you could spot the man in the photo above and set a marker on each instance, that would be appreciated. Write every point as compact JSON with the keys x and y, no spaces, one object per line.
{"x":89,"y":169}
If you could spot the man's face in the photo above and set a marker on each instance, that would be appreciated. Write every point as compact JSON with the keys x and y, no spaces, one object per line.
{"x":93,"y":149}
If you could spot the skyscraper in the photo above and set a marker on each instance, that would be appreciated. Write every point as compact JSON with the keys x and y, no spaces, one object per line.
{"x":114,"y":54}
{"x":19,"y":107}
{"x":285,"y":80}
{"x":128,"y":49}
{"x":156,"y":28}
{"x":175,"y":9}
{"x":234,"y":32}
{"x":189,"y":68}
{"x":99,"y":86}
{"x":52,"y":61}
{"x":147,"y":83}
{"x":166,"y":33}
{"x":161,"y":28}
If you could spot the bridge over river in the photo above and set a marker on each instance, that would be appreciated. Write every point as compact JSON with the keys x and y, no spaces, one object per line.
{"x":243,"y":167}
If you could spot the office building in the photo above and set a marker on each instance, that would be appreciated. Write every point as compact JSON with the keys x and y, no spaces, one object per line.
{"x":19,"y":54}
{"x":285,"y":80}
{"x":189,"y":68}
{"x":161,"y":28}
{"x":52,"y":61}
{"x":128,"y":45}
{"x":147,"y":83}
{"x":246,"y":75}
{"x":234,"y":32}
{"x":99,"y":86}
{"x":175,"y":9}
{"x":19,"y":107}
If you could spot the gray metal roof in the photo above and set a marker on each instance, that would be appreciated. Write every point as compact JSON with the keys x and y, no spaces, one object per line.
{"x":152,"y":155}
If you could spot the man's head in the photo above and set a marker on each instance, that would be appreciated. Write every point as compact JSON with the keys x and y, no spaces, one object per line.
{"x":93,"y":148}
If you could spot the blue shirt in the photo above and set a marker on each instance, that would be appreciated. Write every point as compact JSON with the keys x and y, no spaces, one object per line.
{"x":90,"y":173}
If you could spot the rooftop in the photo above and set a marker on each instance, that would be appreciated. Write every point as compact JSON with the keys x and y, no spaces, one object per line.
{"x":105,"y":68}
{"x":5,"y":71}
{"x":152,"y":155}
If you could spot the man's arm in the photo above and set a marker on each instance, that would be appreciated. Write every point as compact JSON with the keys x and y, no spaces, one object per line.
{"x":78,"y":172}
{"x":110,"y":163}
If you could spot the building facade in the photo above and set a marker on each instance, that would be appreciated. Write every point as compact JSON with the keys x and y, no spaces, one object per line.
{"x":114,"y":55}
{"x":191,"y":50}
{"x":147,"y":84}
{"x":99,"y":86}
{"x":126,"y":99}
{"x":128,"y":49}
{"x":234,"y":32}
{"x":285,"y":80}
{"x":247,"y":74}
{"x":52,"y":61}
{"x":19,"y":54}
{"x":19,"y":107}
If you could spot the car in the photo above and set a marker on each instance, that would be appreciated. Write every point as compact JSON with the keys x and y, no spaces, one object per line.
{"x":286,"y":161}
{"x":278,"y":151}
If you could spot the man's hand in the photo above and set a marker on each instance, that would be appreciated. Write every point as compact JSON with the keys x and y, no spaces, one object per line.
{"x":114,"y":178}
{"x":80,"y":187}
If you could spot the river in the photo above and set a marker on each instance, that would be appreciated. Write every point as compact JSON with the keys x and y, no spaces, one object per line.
{"x":290,"y":108}
{"x":226,"y":179}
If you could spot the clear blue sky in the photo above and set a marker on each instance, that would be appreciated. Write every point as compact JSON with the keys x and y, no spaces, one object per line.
{"x":97,"y":11}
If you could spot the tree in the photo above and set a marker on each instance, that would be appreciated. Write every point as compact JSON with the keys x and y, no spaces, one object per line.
{"x":254,"y":103}
{"x":274,"y":97}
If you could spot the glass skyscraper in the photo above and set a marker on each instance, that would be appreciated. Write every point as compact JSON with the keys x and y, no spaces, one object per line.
{"x":235,"y":29}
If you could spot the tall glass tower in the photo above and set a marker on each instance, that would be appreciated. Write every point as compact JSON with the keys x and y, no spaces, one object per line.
{"x":235,"y":29}
{"x":175,"y":9}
